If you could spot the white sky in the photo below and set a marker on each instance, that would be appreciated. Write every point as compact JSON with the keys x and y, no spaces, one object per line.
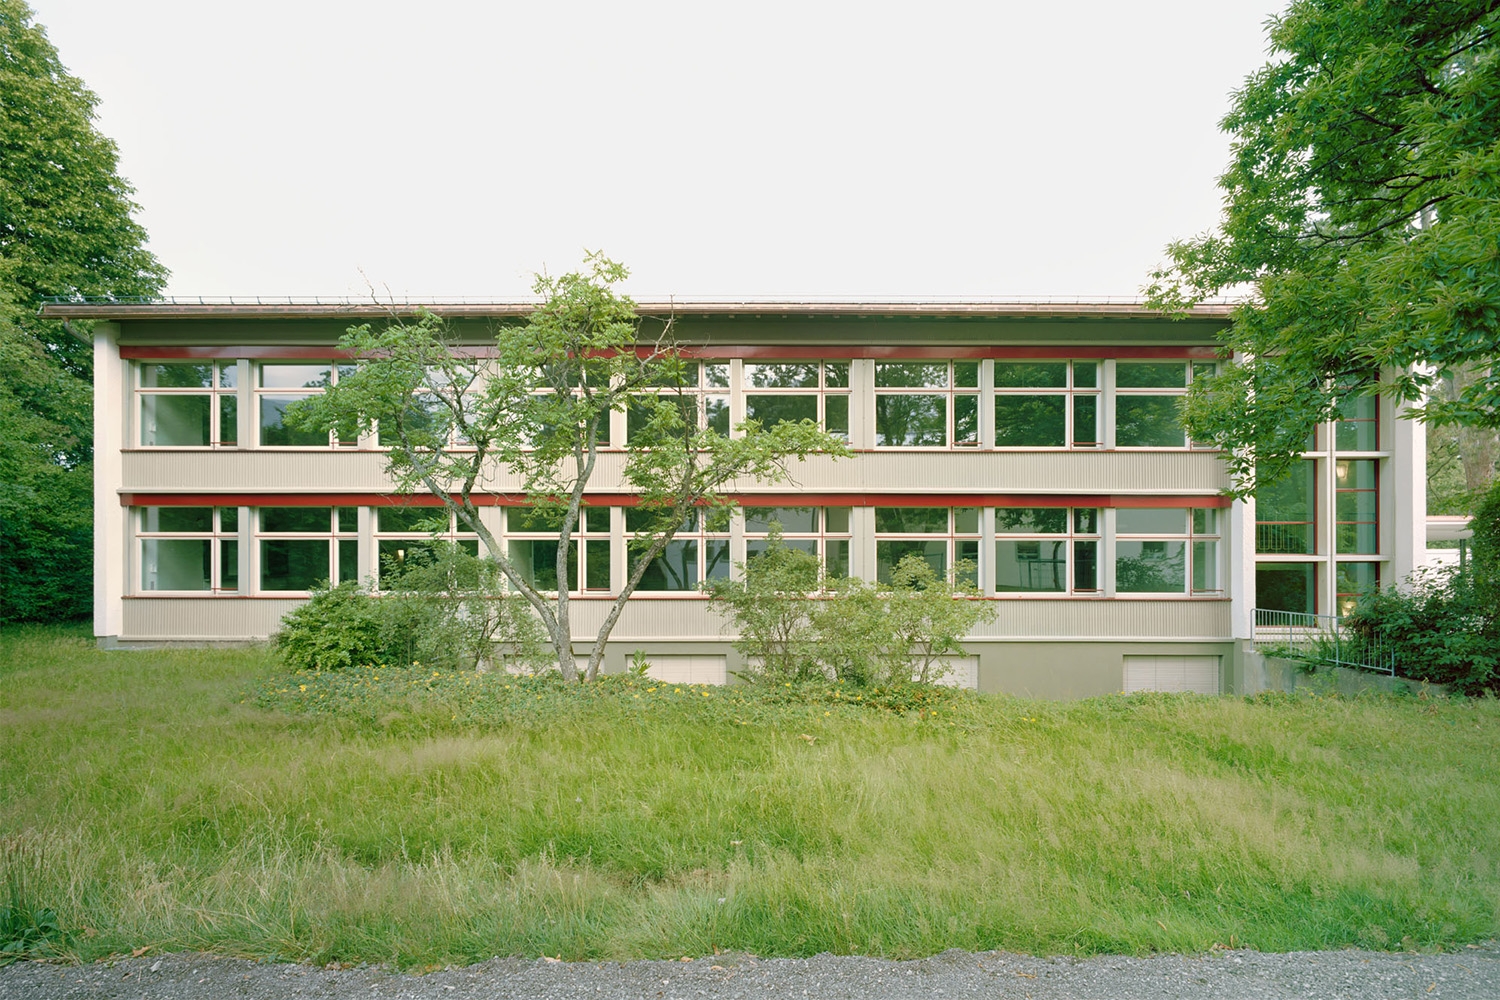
{"x":748,"y":150}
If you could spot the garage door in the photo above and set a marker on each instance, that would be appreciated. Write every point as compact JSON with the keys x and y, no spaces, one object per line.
{"x":676,"y":668}
{"x":1198,"y":674}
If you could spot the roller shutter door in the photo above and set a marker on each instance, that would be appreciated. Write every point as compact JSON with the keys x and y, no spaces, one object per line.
{"x":1197,"y":674}
{"x":678,"y":668}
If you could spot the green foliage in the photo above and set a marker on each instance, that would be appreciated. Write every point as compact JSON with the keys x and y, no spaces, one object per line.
{"x":1485,"y":525}
{"x":772,"y":612}
{"x":65,"y":230}
{"x":1362,"y":204}
{"x":538,"y":406}
{"x":443,"y":611}
{"x":338,"y":628}
{"x":1442,"y":626}
{"x":27,"y":930}
{"x":796,"y":627}
{"x":425,"y":821}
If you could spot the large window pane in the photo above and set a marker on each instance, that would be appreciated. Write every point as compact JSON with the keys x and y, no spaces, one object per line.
{"x":911,"y":520}
{"x":772,"y":410}
{"x":273,"y":427}
{"x":889,"y":553}
{"x":1148,"y":422}
{"x":1085,"y":566}
{"x":1205,"y":565}
{"x":1285,"y":513}
{"x":1150,"y":567}
{"x":175,"y":421}
{"x":1354,"y":580}
{"x":177,"y":563}
{"x":1357,"y":427}
{"x":1286,"y":587}
{"x":536,"y":560}
{"x":911,"y":421}
{"x":1029,"y":566}
{"x":1031,"y":421}
{"x":293,"y":564}
{"x":676,"y":569}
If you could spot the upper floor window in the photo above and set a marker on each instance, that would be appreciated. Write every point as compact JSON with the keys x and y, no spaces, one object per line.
{"x":278,"y":385}
{"x":1047,"y":404}
{"x":777,"y":391}
{"x":1148,"y":402}
{"x":189,"y":404}
{"x":927,"y":404}
{"x":1286,"y":512}
{"x":702,"y":396}
{"x":1358,"y":424}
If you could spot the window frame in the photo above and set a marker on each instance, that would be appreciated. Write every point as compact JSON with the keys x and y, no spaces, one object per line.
{"x":216,"y":535}
{"x":950,"y":392}
{"x":220,"y":389}
{"x":1071,"y":393}
{"x":1071,"y":537}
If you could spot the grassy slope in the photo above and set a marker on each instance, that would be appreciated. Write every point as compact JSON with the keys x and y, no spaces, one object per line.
{"x":427,"y":820}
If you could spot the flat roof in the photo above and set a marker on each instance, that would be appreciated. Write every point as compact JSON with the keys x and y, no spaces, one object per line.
{"x":269,"y":308}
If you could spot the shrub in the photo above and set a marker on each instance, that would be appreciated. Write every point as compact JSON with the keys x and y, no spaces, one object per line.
{"x":339,"y":628}
{"x":1442,"y":627}
{"x":771,"y":610}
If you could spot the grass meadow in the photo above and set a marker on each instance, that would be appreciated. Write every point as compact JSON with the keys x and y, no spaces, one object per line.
{"x":206,"y":799}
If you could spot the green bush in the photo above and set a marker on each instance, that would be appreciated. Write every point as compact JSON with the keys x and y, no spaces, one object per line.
{"x":339,"y":628}
{"x":1442,"y":627}
{"x":797,"y":626}
{"x":442,"y":607}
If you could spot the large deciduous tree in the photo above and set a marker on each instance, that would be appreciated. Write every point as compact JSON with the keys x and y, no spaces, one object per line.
{"x":65,"y":230}
{"x":1363,"y":207}
{"x":537,"y":403}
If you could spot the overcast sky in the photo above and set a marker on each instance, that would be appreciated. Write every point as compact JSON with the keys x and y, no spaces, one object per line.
{"x":750,"y":150}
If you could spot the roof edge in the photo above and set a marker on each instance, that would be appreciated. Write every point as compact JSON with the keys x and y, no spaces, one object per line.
{"x":169,"y":310}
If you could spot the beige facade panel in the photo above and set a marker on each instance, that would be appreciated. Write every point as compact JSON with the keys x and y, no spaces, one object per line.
{"x":303,"y":471}
{"x":206,"y":618}
{"x":1108,"y":619}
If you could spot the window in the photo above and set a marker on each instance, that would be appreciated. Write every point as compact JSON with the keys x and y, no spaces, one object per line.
{"x":703,"y":398}
{"x":1148,"y":395}
{"x":1046,"y":404}
{"x":1163,"y":550}
{"x":777,"y":391}
{"x":532,"y":542}
{"x":931,"y":404}
{"x":943,"y":536}
{"x":1353,"y":581}
{"x":1287,"y":586}
{"x":188,"y":404}
{"x":1356,"y":504}
{"x":699,"y":550}
{"x":1358,"y":424}
{"x":822,"y":532}
{"x":189,"y":548}
{"x":1286,"y":517}
{"x":280,"y":384}
{"x":409,"y":537}
{"x":304,"y":547}
{"x":1046,"y":550}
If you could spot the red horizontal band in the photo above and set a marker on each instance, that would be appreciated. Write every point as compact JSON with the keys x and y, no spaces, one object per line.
{"x":631,"y":500}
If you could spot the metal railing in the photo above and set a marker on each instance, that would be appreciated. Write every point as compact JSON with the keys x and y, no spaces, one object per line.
{"x":1324,"y":639}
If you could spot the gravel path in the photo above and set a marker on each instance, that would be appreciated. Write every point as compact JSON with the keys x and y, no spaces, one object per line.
{"x":1471,"y":974}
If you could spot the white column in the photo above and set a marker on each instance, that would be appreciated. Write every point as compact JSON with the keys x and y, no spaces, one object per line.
{"x":861,"y":404}
{"x":111,"y":521}
{"x":1241,"y":569}
{"x":1107,"y":402}
{"x":1406,"y":510}
{"x":1107,"y":552}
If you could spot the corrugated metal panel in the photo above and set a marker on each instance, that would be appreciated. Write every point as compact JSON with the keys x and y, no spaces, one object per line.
{"x":1205,"y":620}
{"x":877,"y":472}
{"x":647,"y":619}
{"x":203,"y":618}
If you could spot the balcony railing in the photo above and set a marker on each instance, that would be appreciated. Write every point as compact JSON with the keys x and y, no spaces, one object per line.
{"x":1279,"y":538}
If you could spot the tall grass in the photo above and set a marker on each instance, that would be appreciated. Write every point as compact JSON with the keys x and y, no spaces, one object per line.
{"x":201,"y":799}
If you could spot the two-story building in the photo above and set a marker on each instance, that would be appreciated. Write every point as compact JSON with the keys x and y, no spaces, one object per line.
{"x":1041,"y":442}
